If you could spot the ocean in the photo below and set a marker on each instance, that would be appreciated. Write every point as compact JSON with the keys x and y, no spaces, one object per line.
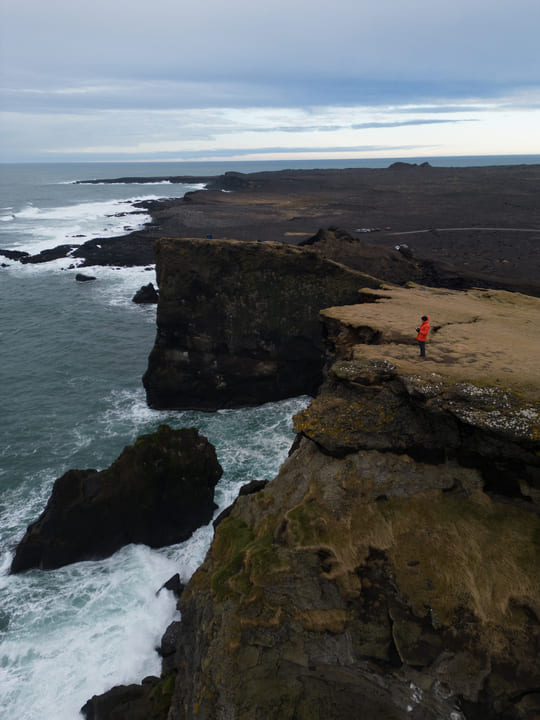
{"x":72,"y":358}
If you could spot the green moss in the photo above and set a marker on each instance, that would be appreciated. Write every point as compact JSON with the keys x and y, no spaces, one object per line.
{"x":307,"y":524}
{"x":161,"y":696}
{"x":243,"y":560}
{"x":228,"y":548}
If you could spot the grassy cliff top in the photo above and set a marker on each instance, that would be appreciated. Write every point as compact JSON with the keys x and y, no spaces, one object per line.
{"x":479,"y":336}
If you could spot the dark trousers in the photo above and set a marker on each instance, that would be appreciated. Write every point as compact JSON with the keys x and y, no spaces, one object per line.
{"x":422,"y":348}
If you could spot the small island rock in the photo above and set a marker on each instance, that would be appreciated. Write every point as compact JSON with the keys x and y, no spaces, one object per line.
{"x":157,"y":492}
{"x":147,"y":294}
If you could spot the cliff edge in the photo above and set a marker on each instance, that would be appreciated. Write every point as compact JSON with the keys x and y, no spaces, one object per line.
{"x":238,"y":322}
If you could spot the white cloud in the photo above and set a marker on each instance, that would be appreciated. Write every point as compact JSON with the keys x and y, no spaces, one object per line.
{"x":133,"y":77}
{"x":361,"y":131}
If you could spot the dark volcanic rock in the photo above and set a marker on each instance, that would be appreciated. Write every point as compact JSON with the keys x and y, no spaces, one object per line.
{"x":142,"y":180}
{"x":238,"y":323}
{"x":391,"y":569}
{"x":148,"y":701}
{"x":127,"y":251}
{"x":157,"y":492}
{"x":381,"y":262}
{"x":384,"y":583}
{"x":174,"y":584}
{"x":146,"y":295}
{"x":81,"y":277}
{"x":14,"y":254}
{"x":55,"y":253}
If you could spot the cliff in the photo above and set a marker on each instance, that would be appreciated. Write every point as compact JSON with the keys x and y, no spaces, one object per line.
{"x":391,"y":569}
{"x":393,"y":564}
{"x":238,"y":322}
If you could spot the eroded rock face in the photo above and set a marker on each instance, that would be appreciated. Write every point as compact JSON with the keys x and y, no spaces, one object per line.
{"x":238,"y":323}
{"x":379,"y":575}
{"x":157,"y":492}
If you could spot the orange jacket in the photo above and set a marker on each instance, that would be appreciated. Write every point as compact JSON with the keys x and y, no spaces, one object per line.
{"x":423,"y":331}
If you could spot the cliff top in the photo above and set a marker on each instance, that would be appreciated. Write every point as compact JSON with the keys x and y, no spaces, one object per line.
{"x":486,"y":337}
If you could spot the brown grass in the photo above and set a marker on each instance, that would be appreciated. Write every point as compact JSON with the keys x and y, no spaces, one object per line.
{"x":487,"y":337}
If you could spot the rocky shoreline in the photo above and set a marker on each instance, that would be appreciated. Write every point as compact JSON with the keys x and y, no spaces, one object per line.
{"x":464,"y":227}
{"x":392,"y":564}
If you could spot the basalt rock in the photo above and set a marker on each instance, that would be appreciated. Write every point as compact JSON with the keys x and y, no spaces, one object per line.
{"x":55,"y":253}
{"x":14,"y":254}
{"x":147,"y":701}
{"x":81,"y":277}
{"x":238,"y":322}
{"x":157,"y":492}
{"x":147,"y":294}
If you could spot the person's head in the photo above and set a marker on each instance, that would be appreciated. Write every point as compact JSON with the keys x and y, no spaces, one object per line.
{"x":424,"y":318}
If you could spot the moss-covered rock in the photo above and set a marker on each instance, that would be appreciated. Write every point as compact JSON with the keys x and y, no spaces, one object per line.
{"x":148,"y":701}
{"x":364,"y":583}
{"x":392,"y":568}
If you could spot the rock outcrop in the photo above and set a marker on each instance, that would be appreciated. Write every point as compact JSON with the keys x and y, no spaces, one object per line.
{"x":147,"y":294}
{"x":392,"y":568}
{"x":397,"y":264}
{"x":81,"y":277}
{"x":372,"y":578}
{"x":238,"y":322}
{"x":157,"y":492}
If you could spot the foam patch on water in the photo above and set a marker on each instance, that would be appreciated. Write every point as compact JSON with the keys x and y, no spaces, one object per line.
{"x":99,"y":622}
{"x":71,"y":633}
{"x":117,"y":286}
{"x":33,"y":229}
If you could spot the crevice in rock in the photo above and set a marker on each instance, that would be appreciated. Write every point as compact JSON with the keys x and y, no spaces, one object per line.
{"x":436,"y":328}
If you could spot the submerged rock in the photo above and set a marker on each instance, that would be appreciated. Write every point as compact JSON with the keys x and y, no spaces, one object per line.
{"x":157,"y":492}
{"x":81,"y":277}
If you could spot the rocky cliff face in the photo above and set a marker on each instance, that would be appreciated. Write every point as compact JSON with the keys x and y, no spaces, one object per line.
{"x":390,"y":570}
{"x":238,"y":323}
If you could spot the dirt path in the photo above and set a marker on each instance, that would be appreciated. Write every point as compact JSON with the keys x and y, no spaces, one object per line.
{"x":458,"y":229}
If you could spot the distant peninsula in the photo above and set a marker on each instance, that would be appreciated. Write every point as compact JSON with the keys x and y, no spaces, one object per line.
{"x":460,"y":227}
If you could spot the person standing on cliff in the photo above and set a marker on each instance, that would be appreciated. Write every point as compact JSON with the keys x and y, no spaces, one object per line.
{"x":423,"y":331}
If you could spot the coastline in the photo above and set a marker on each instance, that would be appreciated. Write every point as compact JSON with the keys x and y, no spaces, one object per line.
{"x":196,"y":203}
{"x":482,"y":223}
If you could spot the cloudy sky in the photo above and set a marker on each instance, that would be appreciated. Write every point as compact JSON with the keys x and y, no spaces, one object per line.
{"x":283,"y":79}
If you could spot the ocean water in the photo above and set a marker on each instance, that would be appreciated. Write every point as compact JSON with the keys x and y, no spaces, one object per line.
{"x":72,"y":357}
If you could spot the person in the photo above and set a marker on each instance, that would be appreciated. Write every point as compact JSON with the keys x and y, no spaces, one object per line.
{"x":423,"y":331}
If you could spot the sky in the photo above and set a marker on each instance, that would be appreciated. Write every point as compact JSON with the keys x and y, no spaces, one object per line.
{"x":125,"y":80}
